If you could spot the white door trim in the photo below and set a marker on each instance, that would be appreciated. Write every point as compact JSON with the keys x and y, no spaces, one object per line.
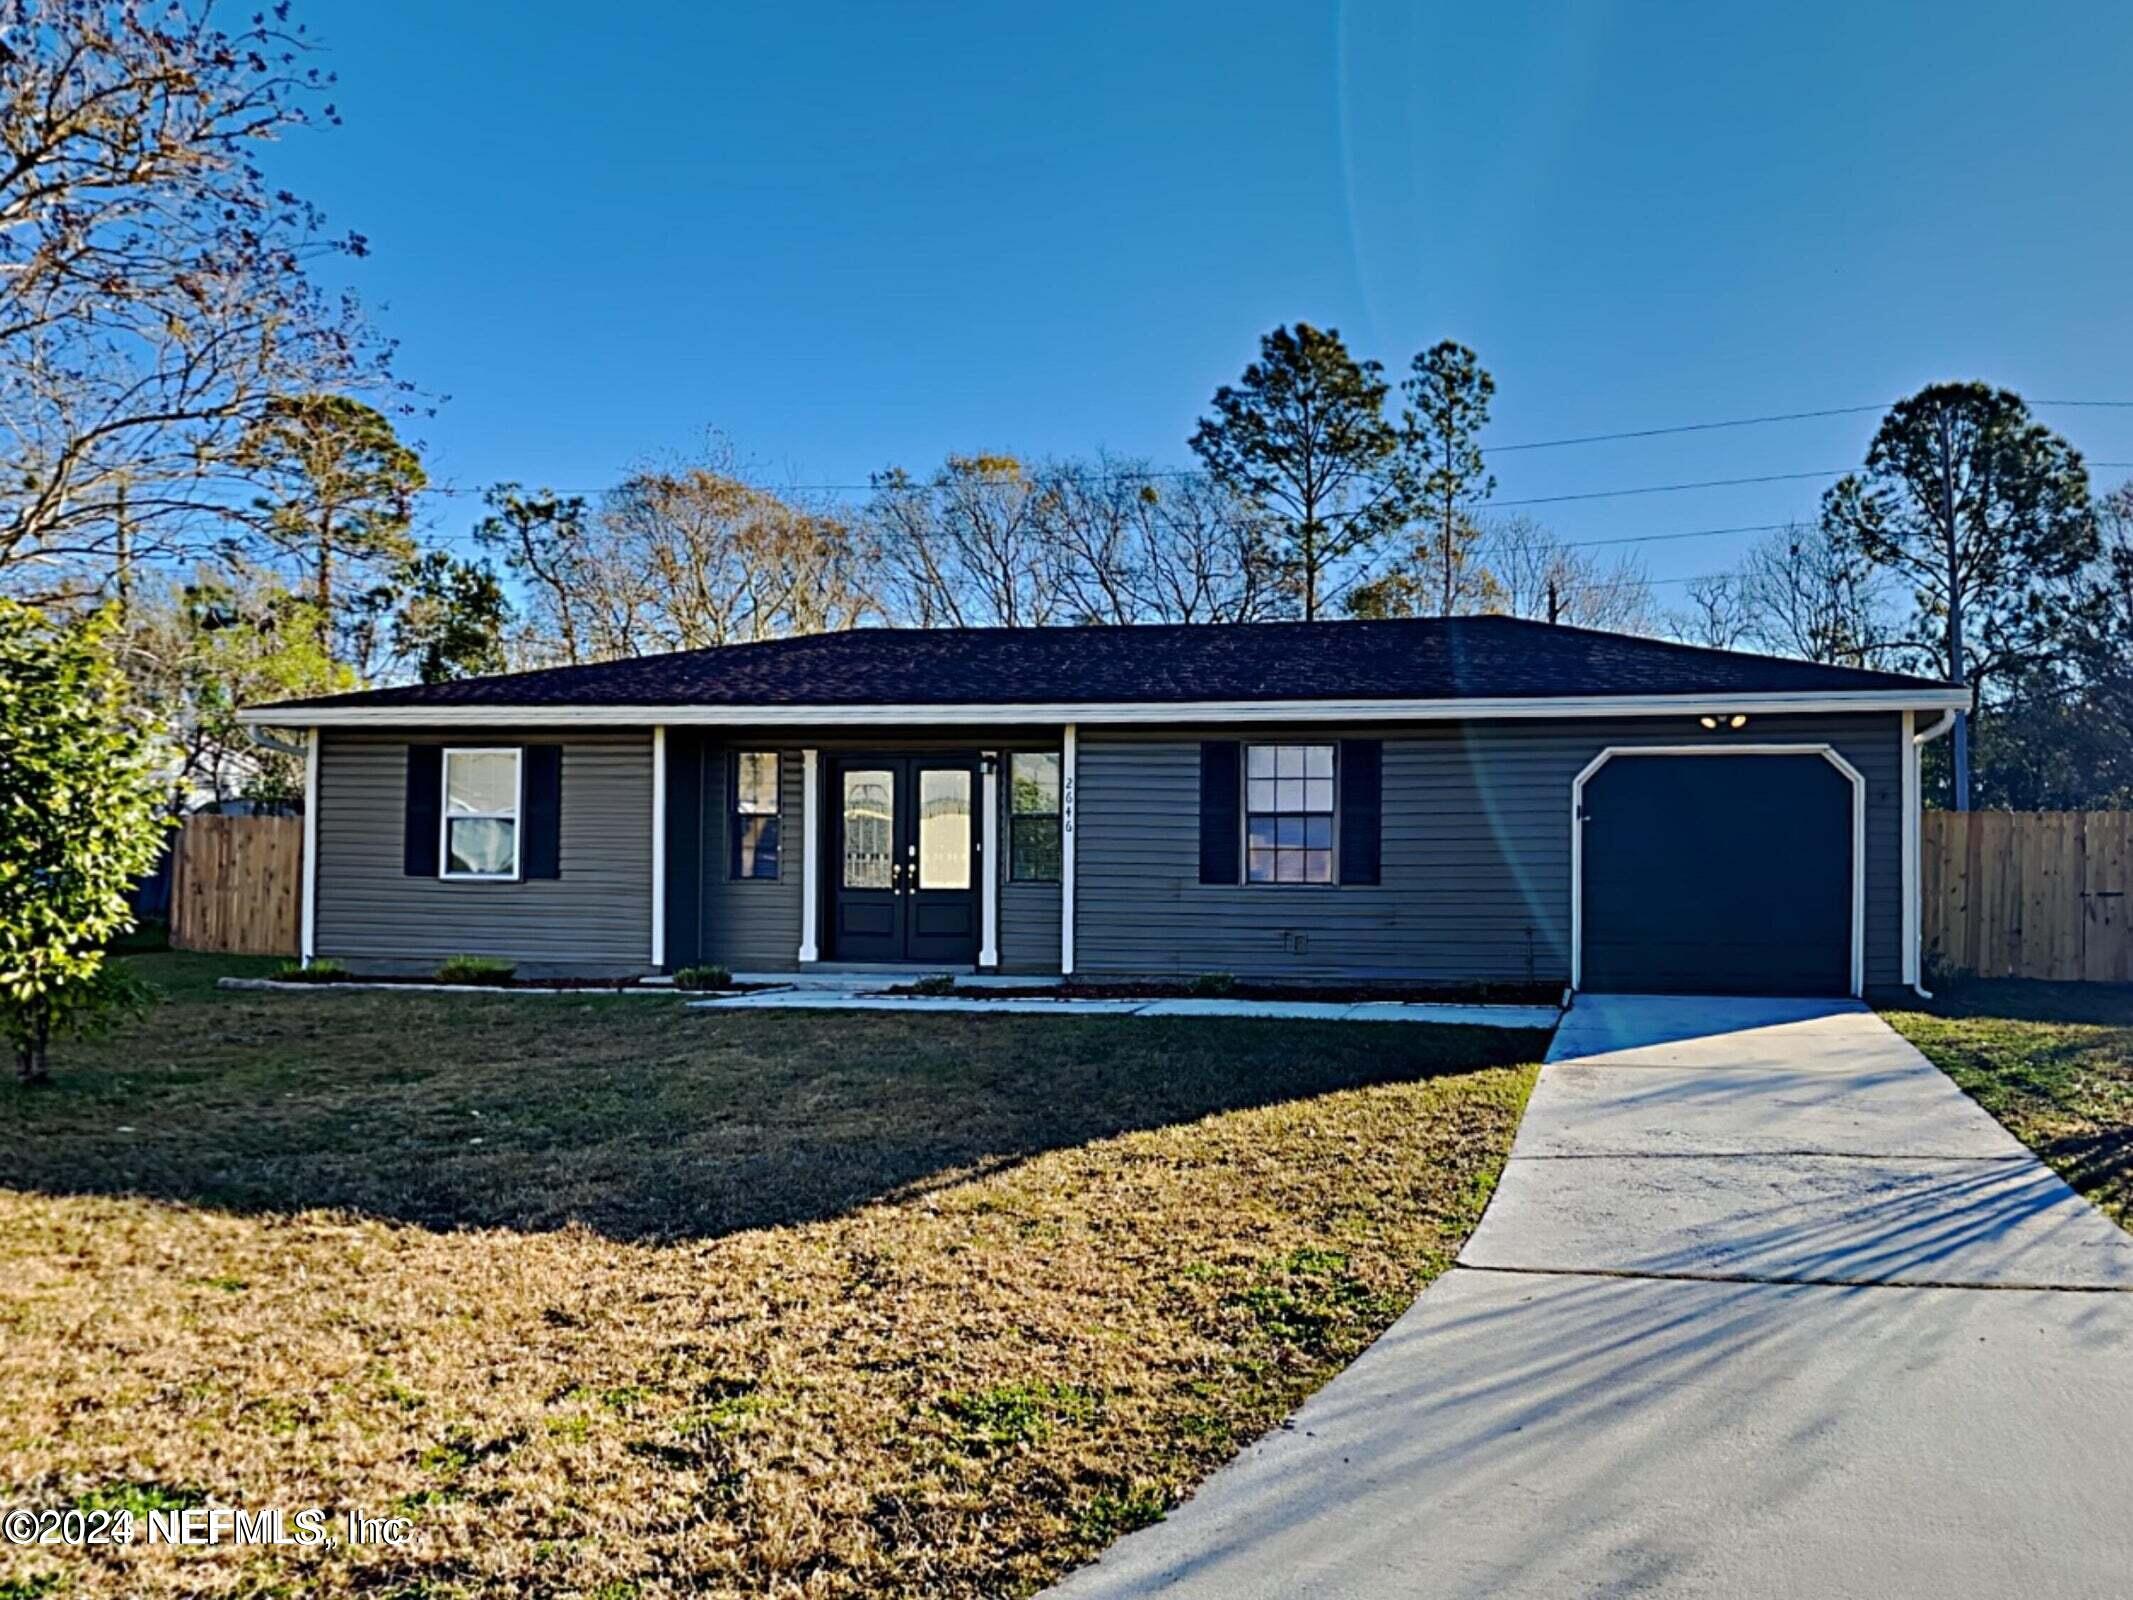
{"x":989,"y":861}
{"x":1068,"y":804}
{"x":810,"y":852}
{"x":659,"y":847}
{"x":1826,"y":752}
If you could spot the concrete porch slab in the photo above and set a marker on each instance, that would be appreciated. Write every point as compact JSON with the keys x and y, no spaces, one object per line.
{"x":819,"y":996}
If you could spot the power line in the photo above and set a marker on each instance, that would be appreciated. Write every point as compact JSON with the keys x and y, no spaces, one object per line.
{"x":1747,"y":422}
{"x":1670,"y":488}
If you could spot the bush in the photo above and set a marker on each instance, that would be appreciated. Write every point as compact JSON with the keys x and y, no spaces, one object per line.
{"x":476,"y":969}
{"x":709,"y":976}
{"x":81,"y":822}
{"x":935,"y":983}
{"x":82,"y":1008}
{"x":1213,"y":985}
{"x":317,"y":972}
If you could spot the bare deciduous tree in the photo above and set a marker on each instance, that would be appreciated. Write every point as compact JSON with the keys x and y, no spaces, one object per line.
{"x":1536,"y":575}
{"x":1132,"y":546}
{"x":689,"y":556}
{"x":1807,"y":592}
{"x":967,"y":548}
{"x":1714,"y":613}
{"x":154,"y":295}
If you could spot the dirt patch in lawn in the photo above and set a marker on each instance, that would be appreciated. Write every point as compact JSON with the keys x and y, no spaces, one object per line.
{"x":2052,"y":1061}
{"x":631,"y":1300}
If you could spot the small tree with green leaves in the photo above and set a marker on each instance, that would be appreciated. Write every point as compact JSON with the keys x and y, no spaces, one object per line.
{"x":80,"y":823}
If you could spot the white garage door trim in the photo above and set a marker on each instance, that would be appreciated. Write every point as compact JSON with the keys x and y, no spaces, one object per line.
{"x":1577,"y":836}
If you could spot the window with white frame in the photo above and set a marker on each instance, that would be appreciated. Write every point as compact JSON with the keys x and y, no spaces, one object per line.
{"x":755,"y":814}
{"x":1288,"y":804}
{"x":1033,"y":816}
{"x":481,"y":800}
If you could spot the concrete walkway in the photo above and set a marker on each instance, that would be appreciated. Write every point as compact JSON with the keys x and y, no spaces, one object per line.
{"x":871,"y":995}
{"x":1764,"y":1306}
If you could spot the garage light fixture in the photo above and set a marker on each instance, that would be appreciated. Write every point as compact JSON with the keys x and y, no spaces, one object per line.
{"x":1739,"y":719}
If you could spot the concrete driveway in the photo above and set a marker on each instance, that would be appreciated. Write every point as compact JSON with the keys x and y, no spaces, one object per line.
{"x":1764,"y":1305}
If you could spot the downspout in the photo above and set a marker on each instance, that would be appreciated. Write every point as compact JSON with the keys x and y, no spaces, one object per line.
{"x":260,"y":736}
{"x":1919,"y":741}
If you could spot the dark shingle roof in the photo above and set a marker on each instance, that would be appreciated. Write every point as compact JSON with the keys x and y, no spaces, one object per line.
{"x":1423,"y":659}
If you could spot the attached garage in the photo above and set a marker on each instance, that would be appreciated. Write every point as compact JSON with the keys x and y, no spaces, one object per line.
{"x":1719,"y":870}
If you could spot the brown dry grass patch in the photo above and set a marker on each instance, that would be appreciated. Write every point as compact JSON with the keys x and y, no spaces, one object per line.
{"x":618,"y":1299}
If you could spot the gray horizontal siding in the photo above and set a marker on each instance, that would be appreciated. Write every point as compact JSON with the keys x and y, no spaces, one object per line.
{"x":1476,"y":874}
{"x":596,"y":916}
{"x":753,"y":924}
{"x":1029,"y":912}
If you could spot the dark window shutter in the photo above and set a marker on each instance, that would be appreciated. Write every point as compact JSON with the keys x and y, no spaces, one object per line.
{"x":425,"y":804}
{"x":541,"y":850}
{"x":1219,"y":802}
{"x":1362,"y":809}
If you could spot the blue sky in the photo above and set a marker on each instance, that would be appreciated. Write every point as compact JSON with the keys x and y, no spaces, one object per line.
{"x":856,"y":235}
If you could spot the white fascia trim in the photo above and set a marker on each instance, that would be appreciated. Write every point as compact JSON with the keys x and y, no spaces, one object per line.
{"x":1108,"y":713}
{"x":1826,"y":752}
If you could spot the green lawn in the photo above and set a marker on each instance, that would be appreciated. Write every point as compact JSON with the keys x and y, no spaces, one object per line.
{"x":618,"y":1298}
{"x":2054,"y":1062}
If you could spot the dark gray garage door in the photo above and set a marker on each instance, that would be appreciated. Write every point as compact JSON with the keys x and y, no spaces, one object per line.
{"x":1718,"y":875}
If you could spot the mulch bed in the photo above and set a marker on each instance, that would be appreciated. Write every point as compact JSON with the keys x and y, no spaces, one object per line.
{"x":1506,"y":994}
{"x":431,"y":980}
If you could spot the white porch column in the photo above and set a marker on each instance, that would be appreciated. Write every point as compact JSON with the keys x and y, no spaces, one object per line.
{"x":307,"y":942}
{"x":1067,"y":830}
{"x":810,"y":851}
{"x":659,"y":845}
{"x":989,"y":862}
{"x":1911,"y":830}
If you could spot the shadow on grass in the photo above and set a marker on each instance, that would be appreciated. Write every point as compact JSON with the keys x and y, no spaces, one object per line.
{"x":634,"y":1116}
{"x":2054,"y":1062}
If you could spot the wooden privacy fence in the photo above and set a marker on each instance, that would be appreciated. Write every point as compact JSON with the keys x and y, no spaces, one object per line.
{"x":2029,"y":894}
{"x":237,"y":885}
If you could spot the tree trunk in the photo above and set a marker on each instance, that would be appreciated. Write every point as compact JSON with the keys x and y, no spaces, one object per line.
{"x":33,"y":1053}
{"x":324,"y":600}
{"x":1958,"y":665}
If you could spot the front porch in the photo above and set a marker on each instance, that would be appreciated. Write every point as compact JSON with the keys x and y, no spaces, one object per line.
{"x":943,"y":851}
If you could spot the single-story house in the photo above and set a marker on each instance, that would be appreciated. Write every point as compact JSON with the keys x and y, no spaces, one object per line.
{"x":1444,"y":801}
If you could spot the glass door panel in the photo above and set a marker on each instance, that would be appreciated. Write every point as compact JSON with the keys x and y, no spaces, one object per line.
{"x":943,"y":829}
{"x":869,"y":829}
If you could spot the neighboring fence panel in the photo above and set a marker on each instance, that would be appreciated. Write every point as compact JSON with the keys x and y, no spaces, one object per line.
{"x":238,"y":884}
{"x":2030,"y":894}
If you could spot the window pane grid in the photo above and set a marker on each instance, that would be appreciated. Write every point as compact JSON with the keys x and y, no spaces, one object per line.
{"x":1033,"y":816}
{"x":1288,"y":800}
{"x":480,"y":814}
{"x":755,"y":814}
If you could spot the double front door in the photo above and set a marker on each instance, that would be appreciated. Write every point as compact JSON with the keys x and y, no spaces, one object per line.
{"x":903,"y":851}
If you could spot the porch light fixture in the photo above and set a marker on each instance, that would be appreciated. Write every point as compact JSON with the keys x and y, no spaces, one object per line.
{"x":1739,"y":719}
